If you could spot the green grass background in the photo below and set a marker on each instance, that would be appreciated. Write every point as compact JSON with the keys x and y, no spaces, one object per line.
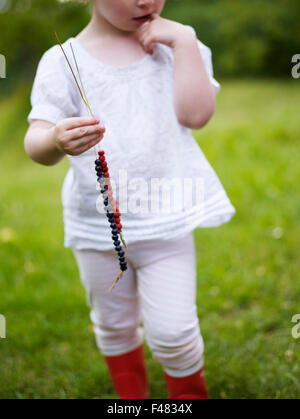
{"x":248,"y":269}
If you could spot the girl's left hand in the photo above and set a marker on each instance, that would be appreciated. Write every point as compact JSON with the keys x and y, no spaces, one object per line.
{"x":165,"y":31}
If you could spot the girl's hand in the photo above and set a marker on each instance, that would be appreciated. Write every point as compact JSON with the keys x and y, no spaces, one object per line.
{"x":74,"y":136}
{"x":165,"y":31}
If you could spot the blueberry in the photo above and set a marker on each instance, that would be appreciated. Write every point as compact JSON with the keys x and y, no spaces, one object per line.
{"x":122,"y":259}
{"x":118,"y":248}
{"x":121,"y":253}
{"x":97,"y":162}
{"x":117,"y":242}
{"x":123,"y":266}
{"x":114,"y":231}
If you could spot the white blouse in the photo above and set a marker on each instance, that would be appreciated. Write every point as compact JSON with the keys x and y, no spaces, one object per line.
{"x":161,"y":179}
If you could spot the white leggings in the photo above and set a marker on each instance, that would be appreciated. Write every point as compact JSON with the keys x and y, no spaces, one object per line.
{"x":158,"y":289}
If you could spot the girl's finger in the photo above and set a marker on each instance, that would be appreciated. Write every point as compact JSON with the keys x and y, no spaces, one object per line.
{"x":147,"y":41}
{"x":89,"y":145}
{"x":84,"y":131}
{"x":82,"y":121}
{"x":81,"y":142}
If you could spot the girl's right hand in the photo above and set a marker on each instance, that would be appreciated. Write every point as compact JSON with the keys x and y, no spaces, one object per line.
{"x":76,"y":135}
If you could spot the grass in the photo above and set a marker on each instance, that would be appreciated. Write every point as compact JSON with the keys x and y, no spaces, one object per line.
{"x":248,"y":269}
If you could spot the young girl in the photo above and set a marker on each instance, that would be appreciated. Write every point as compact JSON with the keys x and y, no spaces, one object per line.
{"x":149,"y":81}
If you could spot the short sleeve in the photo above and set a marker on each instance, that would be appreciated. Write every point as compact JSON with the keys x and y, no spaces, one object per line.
{"x":53,"y":95}
{"x":207,"y":58}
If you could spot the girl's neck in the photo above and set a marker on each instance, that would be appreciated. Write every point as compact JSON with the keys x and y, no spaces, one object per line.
{"x":99,"y":28}
{"x":109,"y":44}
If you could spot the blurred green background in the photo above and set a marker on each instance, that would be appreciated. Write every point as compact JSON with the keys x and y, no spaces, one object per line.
{"x":248,"y":269}
{"x":248,"y":38}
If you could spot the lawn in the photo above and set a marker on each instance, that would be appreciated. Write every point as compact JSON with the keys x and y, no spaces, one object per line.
{"x":248,"y":269}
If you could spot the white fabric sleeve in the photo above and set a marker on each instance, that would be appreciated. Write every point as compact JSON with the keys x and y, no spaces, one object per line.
{"x":54,"y":92}
{"x":207,"y":58}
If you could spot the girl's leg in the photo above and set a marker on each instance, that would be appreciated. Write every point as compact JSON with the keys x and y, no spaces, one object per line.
{"x":167,"y":288}
{"x":116,"y":318}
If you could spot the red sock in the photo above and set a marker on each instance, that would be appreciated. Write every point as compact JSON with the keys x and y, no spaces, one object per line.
{"x":128,"y":374}
{"x":190,"y":387}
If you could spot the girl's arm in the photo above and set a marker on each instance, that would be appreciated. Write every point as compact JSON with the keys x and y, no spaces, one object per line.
{"x":194,"y":95}
{"x":47,"y":143}
{"x":39,"y":143}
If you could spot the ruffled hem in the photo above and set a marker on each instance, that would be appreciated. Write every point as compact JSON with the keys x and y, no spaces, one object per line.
{"x":219,"y":213}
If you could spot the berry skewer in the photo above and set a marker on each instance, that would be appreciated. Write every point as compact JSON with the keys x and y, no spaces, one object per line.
{"x":111,"y":209}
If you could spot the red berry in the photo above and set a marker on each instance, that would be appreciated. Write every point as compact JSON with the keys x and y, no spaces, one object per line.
{"x":102,"y":158}
{"x":101,"y":152}
{"x":103,"y":165}
{"x":106,"y":174}
{"x":117,"y":220}
{"x":119,"y":226}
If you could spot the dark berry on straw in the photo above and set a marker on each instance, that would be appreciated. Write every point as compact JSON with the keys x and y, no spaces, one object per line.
{"x":112,"y":212}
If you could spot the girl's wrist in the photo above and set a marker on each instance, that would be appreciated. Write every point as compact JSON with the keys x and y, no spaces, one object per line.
{"x":55,"y":153}
{"x":52,"y":139}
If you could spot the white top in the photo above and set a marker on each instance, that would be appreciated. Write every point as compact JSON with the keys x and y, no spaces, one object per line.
{"x":144,"y":144}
